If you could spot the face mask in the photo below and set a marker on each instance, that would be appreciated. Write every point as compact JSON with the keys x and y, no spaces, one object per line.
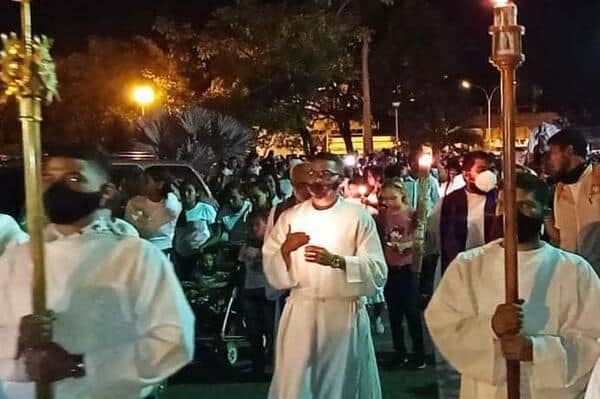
{"x":320,"y":190}
{"x":64,"y":205}
{"x":528,"y":228}
{"x":486,"y":181}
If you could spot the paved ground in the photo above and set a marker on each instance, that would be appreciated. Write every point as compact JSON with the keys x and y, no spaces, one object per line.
{"x":208,"y":381}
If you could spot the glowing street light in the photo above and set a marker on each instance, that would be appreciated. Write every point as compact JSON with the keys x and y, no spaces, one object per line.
{"x":465,"y":84}
{"x":143,"y":96}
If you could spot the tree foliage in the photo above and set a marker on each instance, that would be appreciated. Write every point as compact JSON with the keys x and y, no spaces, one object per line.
{"x":268,"y":64}
{"x":95,"y":87}
{"x":196,"y":135}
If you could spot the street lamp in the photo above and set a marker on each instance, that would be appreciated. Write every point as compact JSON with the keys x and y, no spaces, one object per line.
{"x":396,"y":106}
{"x":465,"y":84}
{"x":143,"y":96}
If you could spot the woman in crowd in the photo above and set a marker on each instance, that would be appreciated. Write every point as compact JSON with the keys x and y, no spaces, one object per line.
{"x":155,"y":211}
{"x":192,"y":231}
{"x":397,"y":224}
{"x":260,"y":196}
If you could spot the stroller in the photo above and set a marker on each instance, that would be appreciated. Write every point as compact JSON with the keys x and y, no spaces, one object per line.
{"x":215,"y":300}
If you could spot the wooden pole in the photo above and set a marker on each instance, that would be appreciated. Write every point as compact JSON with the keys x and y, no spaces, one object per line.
{"x":367,"y":118}
{"x":513,"y":368}
{"x":507,"y":56}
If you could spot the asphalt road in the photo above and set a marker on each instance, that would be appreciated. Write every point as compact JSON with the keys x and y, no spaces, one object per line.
{"x":206,"y":380}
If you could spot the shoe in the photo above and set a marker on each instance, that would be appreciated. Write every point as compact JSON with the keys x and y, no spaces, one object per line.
{"x":416,"y":365}
{"x":379,"y":327}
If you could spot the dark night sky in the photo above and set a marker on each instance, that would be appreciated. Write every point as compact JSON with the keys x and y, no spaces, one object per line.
{"x":562,"y":44}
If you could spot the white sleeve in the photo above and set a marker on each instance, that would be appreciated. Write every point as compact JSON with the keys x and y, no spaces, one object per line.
{"x":562,"y":361}
{"x":165,"y":343}
{"x":274,"y":266}
{"x":463,"y":336}
{"x":11,"y":369}
{"x":593,"y":390}
{"x":368,"y":265}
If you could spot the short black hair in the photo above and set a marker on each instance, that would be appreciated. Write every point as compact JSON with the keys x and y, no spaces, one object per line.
{"x":470,"y":157}
{"x":573,"y":137}
{"x":82,"y":151}
{"x":327,"y":156}
{"x":532,"y":183}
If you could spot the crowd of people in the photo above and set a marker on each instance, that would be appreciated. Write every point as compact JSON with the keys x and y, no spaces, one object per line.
{"x":357,"y":220}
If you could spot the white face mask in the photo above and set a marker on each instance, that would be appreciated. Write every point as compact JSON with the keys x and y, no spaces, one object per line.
{"x":486,"y":181}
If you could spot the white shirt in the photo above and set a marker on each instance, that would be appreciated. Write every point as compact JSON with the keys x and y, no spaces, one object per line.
{"x":475,"y":220}
{"x":196,"y":232}
{"x":155,"y":221}
{"x":117,"y":302}
{"x":562,"y":298}
{"x":450,"y":186}
{"x":10,"y":233}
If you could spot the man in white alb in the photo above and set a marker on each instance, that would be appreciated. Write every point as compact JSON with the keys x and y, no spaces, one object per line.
{"x":328,"y":253}
{"x":553,"y":332}
{"x":121,"y":321}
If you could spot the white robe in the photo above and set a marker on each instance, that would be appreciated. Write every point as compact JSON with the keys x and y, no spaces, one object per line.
{"x":10,"y":233}
{"x":562,"y":298}
{"x":324,"y":348}
{"x":118,"y":302}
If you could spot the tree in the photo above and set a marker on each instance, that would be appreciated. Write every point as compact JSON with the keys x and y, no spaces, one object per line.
{"x":95,"y":85}
{"x":196,"y":135}
{"x":267,"y":64}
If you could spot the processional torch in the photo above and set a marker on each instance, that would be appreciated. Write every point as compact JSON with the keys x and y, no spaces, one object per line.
{"x":424,"y":187}
{"x":507,"y":56}
{"x":27,"y":72}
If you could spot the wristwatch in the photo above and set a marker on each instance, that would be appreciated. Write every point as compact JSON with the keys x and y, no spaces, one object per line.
{"x":78,"y":368}
{"x":337,"y":262}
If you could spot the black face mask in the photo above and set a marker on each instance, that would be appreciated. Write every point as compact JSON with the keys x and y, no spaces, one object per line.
{"x":573,"y":176}
{"x":64,"y":205}
{"x":320,"y":190}
{"x":528,"y":228}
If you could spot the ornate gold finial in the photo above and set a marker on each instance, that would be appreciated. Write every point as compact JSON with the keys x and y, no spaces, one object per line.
{"x":23,"y":76}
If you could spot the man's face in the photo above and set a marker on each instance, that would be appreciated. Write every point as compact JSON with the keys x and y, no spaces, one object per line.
{"x":259,"y":227}
{"x":559,"y":160}
{"x":324,"y":178}
{"x":480,"y":165}
{"x":259,"y":198}
{"x":300,"y":181}
{"x":80,"y":175}
{"x":527,"y":204}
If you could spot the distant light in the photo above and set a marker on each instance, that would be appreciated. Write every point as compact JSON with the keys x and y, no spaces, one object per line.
{"x":350,"y":161}
{"x":143,"y":95}
{"x":500,"y":3}
{"x":425,"y":161}
{"x":412,"y":100}
{"x":465,"y":84}
{"x":396,"y":104}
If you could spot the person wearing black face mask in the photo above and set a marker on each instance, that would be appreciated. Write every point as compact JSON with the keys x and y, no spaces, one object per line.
{"x":327,"y":252}
{"x":110,"y":296}
{"x":553,"y":329}
{"x":577,"y":195}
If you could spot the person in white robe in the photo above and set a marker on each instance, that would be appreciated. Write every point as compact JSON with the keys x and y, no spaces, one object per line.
{"x":120,"y":322}
{"x":10,"y":232}
{"x":328,"y":253}
{"x":553,"y":333}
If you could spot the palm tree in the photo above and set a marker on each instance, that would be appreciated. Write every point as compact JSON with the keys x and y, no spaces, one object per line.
{"x":196,"y":135}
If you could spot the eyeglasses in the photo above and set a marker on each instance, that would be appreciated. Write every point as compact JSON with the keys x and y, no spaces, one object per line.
{"x":322,"y":174}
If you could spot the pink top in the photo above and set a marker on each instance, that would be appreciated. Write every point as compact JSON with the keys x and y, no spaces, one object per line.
{"x":396,"y":230}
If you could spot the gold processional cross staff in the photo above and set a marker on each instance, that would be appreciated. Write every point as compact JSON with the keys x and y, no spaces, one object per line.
{"x":27,"y":72}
